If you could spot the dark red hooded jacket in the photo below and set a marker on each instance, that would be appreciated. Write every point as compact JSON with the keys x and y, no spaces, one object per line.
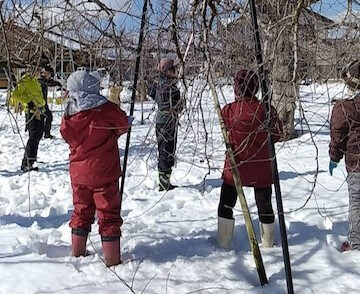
{"x":92,"y":136}
{"x":245,"y":120}
{"x":345,"y":133}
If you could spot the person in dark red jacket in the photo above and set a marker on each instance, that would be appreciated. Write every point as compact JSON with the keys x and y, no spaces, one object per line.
{"x":345,"y":141}
{"x":91,"y":126}
{"x":245,"y":120}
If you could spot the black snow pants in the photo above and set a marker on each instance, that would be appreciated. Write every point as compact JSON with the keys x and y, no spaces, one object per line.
{"x":48,"y":120}
{"x":166,"y":138}
{"x":35,"y":127}
{"x":228,"y":197}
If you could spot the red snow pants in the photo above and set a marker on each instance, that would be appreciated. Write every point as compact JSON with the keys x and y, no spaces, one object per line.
{"x":105,"y":201}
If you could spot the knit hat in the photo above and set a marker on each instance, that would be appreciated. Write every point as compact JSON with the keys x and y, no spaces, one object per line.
{"x":166,"y":63}
{"x":246,"y":83}
{"x":351,"y":75}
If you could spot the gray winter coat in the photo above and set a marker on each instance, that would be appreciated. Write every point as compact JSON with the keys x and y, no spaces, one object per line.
{"x":168,"y":98}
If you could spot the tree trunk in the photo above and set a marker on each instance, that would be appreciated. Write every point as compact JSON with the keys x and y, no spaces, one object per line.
{"x":284,"y":93}
{"x":280,"y":58}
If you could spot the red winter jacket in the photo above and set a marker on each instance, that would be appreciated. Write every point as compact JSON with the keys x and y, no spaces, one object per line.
{"x":92,"y":136}
{"x":245,"y":122}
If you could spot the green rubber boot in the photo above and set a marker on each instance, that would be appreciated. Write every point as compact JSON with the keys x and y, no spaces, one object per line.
{"x":164,"y":182}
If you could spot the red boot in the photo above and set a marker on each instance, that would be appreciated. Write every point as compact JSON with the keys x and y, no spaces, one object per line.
{"x":111,"y":249}
{"x":78,"y":246}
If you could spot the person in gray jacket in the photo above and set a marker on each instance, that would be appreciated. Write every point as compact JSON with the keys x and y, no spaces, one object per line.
{"x":170,"y":104}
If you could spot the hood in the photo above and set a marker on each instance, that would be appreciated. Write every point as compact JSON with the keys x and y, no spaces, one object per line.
{"x":246,"y":84}
{"x":84,"y":92}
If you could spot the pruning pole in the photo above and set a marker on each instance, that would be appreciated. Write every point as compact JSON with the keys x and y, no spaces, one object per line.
{"x":275,"y":173}
{"x":239,"y":189}
{"x":133,"y":94}
{"x":191,"y":39}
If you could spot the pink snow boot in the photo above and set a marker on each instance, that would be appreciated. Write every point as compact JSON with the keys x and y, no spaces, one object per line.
{"x":111,"y":249}
{"x":78,"y":242}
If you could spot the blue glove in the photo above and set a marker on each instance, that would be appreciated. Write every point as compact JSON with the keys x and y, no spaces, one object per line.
{"x":130,"y":119}
{"x":332,"y":165}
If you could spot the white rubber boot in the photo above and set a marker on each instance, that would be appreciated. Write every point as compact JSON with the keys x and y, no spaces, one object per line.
{"x":267,"y":232}
{"x":225,"y":232}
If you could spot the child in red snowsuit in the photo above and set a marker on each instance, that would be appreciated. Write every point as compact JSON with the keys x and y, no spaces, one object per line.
{"x":245,"y":121}
{"x":91,"y":126}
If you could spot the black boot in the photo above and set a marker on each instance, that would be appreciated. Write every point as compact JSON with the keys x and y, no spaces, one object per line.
{"x":164,"y":182}
{"x":26,"y":168}
{"x":49,"y":136}
{"x":28,"y":165}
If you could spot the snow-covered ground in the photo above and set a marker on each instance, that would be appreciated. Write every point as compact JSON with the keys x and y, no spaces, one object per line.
{"x":173,"y":234}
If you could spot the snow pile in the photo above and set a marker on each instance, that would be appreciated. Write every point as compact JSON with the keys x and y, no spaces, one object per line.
{"x":173,"y":234}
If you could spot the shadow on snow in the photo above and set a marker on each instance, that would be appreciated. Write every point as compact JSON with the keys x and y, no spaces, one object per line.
{"x":51,"y":221}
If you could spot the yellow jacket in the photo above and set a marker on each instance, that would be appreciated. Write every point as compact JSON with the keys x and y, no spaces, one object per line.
{"x":28,"y":93}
